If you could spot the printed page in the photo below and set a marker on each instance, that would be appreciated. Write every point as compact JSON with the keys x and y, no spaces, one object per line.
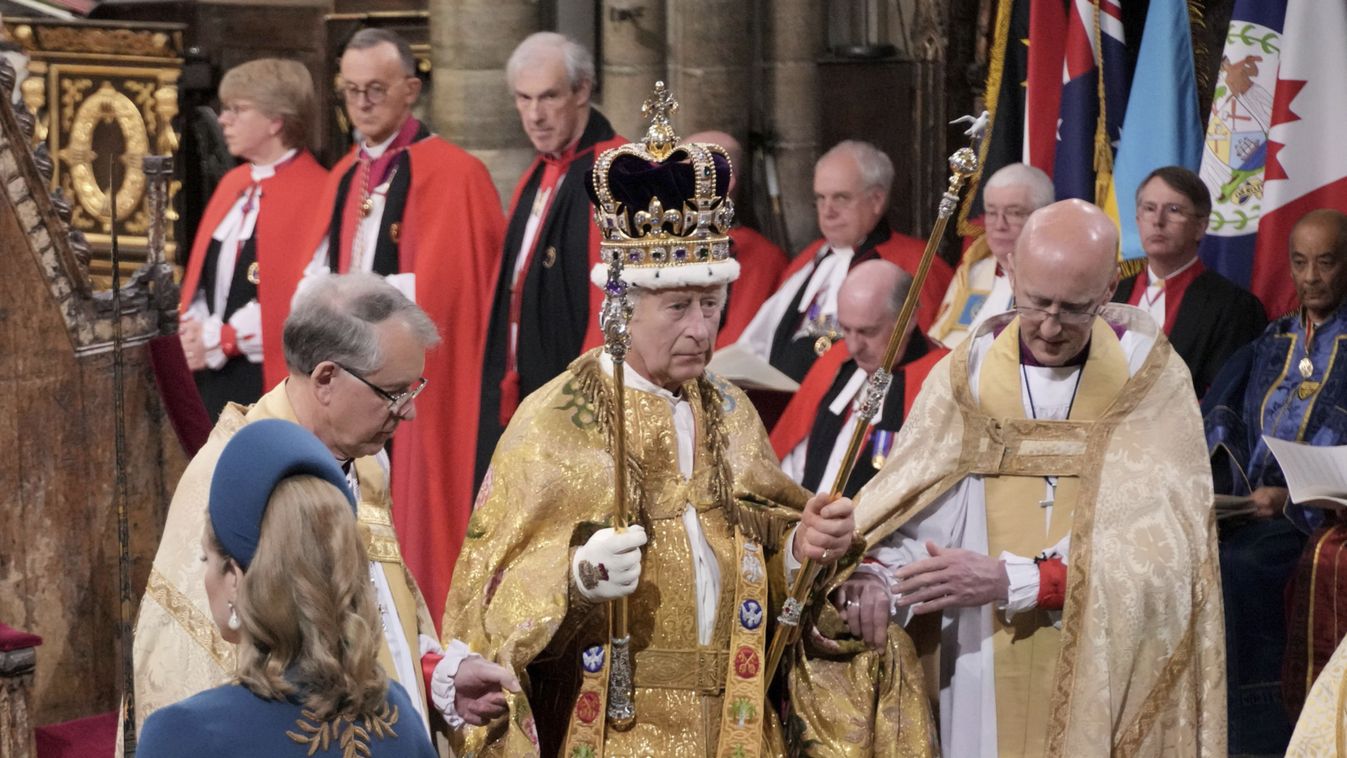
{"x":1313,"y":473}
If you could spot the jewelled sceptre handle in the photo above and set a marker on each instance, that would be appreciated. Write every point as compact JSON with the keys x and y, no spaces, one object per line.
{"x":962,"y":164}
{"x":614,"y":318}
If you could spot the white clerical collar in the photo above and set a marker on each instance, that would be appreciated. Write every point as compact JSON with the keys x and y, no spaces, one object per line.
{"x":374,"y":151}
{"x":262,"y":171}
{"x":634,"y":380}
{"x":1156,"y":280}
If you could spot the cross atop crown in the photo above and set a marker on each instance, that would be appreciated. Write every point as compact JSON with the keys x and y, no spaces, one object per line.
{"x":660,"y":138}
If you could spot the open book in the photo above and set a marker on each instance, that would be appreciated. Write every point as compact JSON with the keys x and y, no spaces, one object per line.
{"x":748,"y":371}
{"x":1315,"y":475}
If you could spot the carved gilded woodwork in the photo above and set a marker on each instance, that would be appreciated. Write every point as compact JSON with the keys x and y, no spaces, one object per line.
{"x":104,"y":97}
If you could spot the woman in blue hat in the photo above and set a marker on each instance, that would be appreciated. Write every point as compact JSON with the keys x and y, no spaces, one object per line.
{"x":287,"y":579}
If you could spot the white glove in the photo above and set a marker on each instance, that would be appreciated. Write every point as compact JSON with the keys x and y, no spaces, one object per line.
{"x":608,"y":566}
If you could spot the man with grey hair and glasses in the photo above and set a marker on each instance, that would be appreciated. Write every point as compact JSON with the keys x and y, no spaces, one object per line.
{"x":407,"y":204}
{"x":981,"y":286}
{"x":1205,"y":315}
{"x":798,"y":324}
{"x":543,"y":310}
{"x":355,"y":347}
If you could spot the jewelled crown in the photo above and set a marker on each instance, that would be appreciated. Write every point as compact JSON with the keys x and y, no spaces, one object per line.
{"x":663,"y":207}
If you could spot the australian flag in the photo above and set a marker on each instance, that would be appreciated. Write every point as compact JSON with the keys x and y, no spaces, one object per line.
{"x":1075,"y":167}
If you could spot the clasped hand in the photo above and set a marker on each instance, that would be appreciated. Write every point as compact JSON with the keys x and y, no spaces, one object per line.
{"x":951,"y":578}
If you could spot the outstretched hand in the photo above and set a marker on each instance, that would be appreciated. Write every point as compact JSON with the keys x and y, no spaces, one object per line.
{"x":478,"y":685}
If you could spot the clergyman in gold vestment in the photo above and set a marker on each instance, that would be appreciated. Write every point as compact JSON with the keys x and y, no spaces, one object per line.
{"x":340,"y":325}
{"x":702,"y":560}
{"x":1063,"y":431}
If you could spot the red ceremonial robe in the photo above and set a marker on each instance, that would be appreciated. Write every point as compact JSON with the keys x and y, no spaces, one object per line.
{"x":286,"y":196}
{"x":906,"y":252}
{"x":760,"y":265}
{"x":797,"y":421}
{"x":450,"y":237}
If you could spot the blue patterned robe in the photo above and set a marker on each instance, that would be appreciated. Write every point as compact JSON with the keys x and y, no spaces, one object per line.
{"x":1261,"y":391}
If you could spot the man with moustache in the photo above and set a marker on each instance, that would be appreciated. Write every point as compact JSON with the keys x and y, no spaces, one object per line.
{"x":409,"y":205}
{"x":1288,"y":385}
{"x":544,"y":312}
{"x":1205,"y":315}
{"x":1049,"y":497}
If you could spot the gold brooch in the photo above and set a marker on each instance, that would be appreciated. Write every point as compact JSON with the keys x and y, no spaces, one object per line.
{"x":253,"y":276}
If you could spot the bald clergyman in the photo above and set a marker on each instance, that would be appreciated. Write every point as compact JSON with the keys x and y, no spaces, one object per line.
{"x":1049,"y":495}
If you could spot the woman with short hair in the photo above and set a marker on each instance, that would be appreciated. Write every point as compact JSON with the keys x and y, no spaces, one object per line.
{"x":242,"y":270}
{"x":287,"y":581}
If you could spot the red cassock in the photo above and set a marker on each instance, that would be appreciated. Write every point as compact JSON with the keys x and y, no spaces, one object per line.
{"x":761,"y":264}
{"x":450,"y":236}
{"x":906,"y":252}
{"x":287,"y":195}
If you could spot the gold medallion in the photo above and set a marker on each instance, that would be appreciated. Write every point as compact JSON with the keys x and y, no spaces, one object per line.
{"x":366,"y":205}
{"x":1306,"y":389}
{"x":549,"y":257}
{"x":253,"y":276}
{"x":1306,"y":367}
{"x":822,"y":344}
{"x":394,"y":232}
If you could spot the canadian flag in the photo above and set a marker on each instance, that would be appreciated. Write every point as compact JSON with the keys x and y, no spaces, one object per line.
{"x":1307,"y":150}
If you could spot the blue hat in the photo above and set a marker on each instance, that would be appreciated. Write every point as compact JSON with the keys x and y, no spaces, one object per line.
{"x":253,"y":463}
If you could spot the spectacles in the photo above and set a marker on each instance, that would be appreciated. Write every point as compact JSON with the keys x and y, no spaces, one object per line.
{"x":1008,"y":215}
{"x":236,"y":109}
{"x":1167,"y":210}
{"x":397,"y":403}
{"x":1064,"y":316}
{"x":374,"y":92}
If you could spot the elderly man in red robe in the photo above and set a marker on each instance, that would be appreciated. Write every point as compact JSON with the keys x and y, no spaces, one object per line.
{"x":409,"y":205}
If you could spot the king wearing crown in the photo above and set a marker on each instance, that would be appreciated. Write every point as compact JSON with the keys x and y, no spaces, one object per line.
{"x":687,"y":571}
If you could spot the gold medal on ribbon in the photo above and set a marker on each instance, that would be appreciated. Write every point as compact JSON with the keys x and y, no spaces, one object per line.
{"x":822,"y":344}
{"x":1306,"y":367}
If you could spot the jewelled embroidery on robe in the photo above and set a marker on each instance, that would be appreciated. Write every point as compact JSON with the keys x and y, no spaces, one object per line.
{"x":351,"y":736}
{"x":582,"y":412}
{"x":727,"y":401}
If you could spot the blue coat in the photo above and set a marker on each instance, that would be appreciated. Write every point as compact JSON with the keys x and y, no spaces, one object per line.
{"x":231,"y":721}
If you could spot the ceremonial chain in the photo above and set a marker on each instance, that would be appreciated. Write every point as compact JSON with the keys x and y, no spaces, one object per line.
{"x":366,"y":207}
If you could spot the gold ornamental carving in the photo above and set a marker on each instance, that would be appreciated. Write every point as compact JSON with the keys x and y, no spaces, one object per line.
{"x":121,"y":42}
{"x":107,"y":105}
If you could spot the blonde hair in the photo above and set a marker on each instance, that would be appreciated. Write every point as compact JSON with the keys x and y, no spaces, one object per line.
{"x":306,"y":609}
{"x":279,"y":88}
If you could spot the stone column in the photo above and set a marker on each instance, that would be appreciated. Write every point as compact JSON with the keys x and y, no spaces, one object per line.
{"x":632,"y":47}
{"x":710,"y":58}
{"x":471,"y":104}
{"x":792,"y":41}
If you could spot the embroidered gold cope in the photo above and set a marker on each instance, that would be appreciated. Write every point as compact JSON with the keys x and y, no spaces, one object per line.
{"x":1321,"y":731}
{"x":178,"y":650}
{"x":549,"y":487}
{"x":1138,"y":667}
